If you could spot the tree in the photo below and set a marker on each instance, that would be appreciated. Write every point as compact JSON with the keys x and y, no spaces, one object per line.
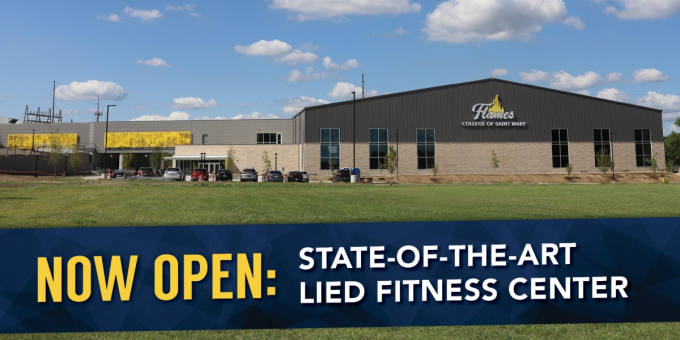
{"x":56,"y":149}
{"x":570,"y":168}
{"x":127,"y":160}
{"x":435,"y":170}
{"x":156,"y":157}
{"x":266,"y":163}
{"x":231,"y":153}
{"x":75,"y":160}
{"x":651,"y":161}
{"x":494,"y":159}
{"x":604,"y":161}
{"x":672,"y":146}
{"x":391,"y":160}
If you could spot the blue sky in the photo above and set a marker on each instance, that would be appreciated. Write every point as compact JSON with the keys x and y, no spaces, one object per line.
{"x":269,"y":58}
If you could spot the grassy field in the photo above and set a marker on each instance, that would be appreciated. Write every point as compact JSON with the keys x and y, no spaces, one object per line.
{"x":78,"y":204}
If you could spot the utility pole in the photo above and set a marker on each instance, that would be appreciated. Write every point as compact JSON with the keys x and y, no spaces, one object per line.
{"x":98,"y":114}
{"x":362,"y":86}
{"x":54,"y":88}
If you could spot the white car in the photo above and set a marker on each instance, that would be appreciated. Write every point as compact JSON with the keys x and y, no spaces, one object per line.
{"x":174,"y":174}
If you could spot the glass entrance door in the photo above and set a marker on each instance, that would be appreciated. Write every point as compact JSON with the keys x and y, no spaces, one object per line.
{"x":212,"y":167}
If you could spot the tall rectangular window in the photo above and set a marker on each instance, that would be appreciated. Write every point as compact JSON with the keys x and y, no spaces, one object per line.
{"x":425,"y":145}
{"x":377,"y":147}
{"x":205,"y":139}
{"x":269,"y":138}
{"x":643,"y":146}
{"x":602,"y":141}
{"x":330,"y":149}
{"x":560,"y":148}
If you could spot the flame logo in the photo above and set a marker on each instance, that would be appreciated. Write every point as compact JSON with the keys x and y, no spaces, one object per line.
{"x":496,"y":106}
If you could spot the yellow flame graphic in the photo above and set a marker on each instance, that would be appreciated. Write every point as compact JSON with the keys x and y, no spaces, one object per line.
{"x":497,"y":107}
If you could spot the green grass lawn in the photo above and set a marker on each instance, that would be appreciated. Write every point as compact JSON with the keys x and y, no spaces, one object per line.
{"x":146,"y":204}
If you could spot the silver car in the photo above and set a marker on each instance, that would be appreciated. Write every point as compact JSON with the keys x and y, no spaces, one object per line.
{"x":249,"y":174}
{"x":174,"y":174}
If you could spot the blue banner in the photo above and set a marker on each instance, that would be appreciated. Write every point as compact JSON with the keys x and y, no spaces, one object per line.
{"x":339,"y":275}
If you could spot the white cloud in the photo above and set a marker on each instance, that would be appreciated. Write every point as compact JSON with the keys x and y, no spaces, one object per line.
{"x":109,"y":17}
{"x":400,"y":31}
{"x":309,"y":74}
{"x":583,"y":92}
{"x":298,"y":57}
{"x":576,"y":22}
{"x":143,"y":14}
{"x":90,"y":90}
{"x":185,"y":7}
{"x":672,"y":116}
{"x":255,"y":115}
{"x":660,"y":101}
{"x":562,"y":80}
{"x":177,"y":115}
{"x":156,"y":62}
{"x":72,"y":112}
{"x":296,"y":105}
{"x":343,"y":90}
{"x":614,"y":94}
{"x":671,"y":128}
{"x":615,"y":77}
{"x":139,"y":107}
{"x":195,"y":15}
{"x":643,"y":9}
{"x":309,"y":47}
{"x":499,"y":72}
{"x":535,"y":76}
{"x":267,"y":48}
{"x":192,"y":103}
{"x":330,"y":9}
{"x":329,"y":64}
{"x":461,"y":21}
{"x":648,"y":75}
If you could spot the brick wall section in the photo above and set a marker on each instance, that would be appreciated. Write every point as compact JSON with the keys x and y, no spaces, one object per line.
{"x":249,"y":156}
{"x":475,"y":158}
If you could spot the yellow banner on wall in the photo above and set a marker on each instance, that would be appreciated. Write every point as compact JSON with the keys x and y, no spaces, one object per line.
{"x":42,"y":140}
{"x":148,"y":139}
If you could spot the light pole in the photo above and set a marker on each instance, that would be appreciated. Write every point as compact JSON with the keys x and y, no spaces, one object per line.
{"x":65,"y":156}
{"x":276,"y":161}
{"x":354,"y":138}
{"x":36,"y":154}
{"x":106,"y":134}
{"x":611,"y":148}
{"x":397,"y":155}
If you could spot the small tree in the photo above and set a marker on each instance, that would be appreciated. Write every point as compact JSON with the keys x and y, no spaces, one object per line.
{"x":266,"y":163}
{"x":127,"y":160}
{"x":570,"y":168}
{"x":494,"y":159}
{"x":651,"y":161}
{"x":56,"y":149}
{"x":231,"y":153}
{"x":156,"y":157}
{"x":391,"y":160}
{"x":435,"y":170}
{"x":75,"y":160}
{"x":604,"y":161}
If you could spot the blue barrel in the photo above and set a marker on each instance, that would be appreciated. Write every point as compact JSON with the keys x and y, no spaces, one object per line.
{"x":356,"y":171}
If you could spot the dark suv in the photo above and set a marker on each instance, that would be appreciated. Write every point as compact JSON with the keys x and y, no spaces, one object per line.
{"x":224,"y":175}
{"x":273,"y":176}
{"x":297,"y":176}
{"x":342,"y":176}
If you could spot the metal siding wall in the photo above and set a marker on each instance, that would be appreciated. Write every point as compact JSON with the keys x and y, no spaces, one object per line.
{"x":446,"y":108}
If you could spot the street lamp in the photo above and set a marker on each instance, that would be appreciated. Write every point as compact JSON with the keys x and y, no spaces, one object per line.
{"x":65,"y":156}
{"x":354,"y":138}
{"x":276,"y":162}
{"x":106,"y":134}
{"x":397,"y":155}
{"x":611,"y":152}
{"x":36,"y":154}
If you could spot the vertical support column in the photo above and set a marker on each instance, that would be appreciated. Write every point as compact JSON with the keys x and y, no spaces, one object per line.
{"x":120,"y":161}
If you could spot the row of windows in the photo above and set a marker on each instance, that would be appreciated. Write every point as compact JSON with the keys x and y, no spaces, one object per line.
{"x":602,"y":140}
{"x":425,"y":144}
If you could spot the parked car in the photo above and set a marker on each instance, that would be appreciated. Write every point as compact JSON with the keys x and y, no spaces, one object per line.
{"x":224,"y":175}
{"x":342,"y":176}
{"x":249,"y":174}
{"x":145,"y":172}
{"x":118,"y":174}
{"x":297,"y":176}
{"x":174,"y":173}
{"x":199,"y":174}
{"x":273,"y":176}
